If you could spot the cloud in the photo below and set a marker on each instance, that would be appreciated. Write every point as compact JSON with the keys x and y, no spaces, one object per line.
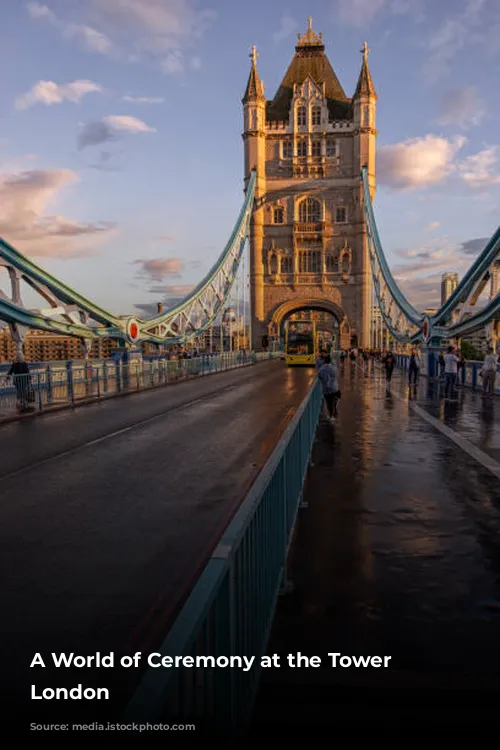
{"x":482,"y":169}
{"x":418,"y":162}
{"x":419,"y":270}
{"x":164,"y":29}
{"x":288,"y":25}
{"x":163,"y":238}
{"x":24,"y":198}
{"x":159,"y":269}
{"x":143,"y":99}
{"x":362,"y":13}
{"x":452,"y":36}
{"x":474,"y":247}
{"x":110,"y":128}
{"x":173,"y":291}
{"x":48,"y":93}
{"x":461,"y":107}
{"x":90,"y":38}
{"x":432,"y":226}
{"x":171,"y":295}
{"x":173,"y":62}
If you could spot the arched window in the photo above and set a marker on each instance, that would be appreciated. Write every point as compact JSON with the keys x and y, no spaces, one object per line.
{"x":309,"y":210}
{"x":316,"y":115}
{"x":301,"y":115}
{"x":278,"y":215}
{"x":286,"y":264}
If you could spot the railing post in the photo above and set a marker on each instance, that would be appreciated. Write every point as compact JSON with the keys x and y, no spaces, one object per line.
{"x":105,"y":377}
{"x":49,"y":384}
{"x":69,"y":375}
{"x":39,"y":387}
{"x":98,"y":383}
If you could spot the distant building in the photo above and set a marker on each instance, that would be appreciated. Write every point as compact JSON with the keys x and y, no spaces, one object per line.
{"x":449,"y":282}
{"x":42,"y":346}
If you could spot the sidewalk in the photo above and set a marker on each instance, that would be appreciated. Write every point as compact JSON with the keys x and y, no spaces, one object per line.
{"x":397,"y":554}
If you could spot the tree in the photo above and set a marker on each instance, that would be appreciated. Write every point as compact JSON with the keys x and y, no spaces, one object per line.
{"x":469,"y":351}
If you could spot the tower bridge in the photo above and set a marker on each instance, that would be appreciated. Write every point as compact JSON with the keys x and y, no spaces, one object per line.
{"x":225,"y":515}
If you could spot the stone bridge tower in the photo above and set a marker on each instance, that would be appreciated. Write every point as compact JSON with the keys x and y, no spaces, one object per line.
{"x":308,"y":239}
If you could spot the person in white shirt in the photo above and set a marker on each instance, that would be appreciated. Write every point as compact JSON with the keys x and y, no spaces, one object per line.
{"x":450,"y":371}
{"x":489,"y":372}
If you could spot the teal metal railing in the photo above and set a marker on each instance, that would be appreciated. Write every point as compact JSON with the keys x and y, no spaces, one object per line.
{"x":469,"y":374}
{"x":230,"y":610}
{"x":55,"y":384}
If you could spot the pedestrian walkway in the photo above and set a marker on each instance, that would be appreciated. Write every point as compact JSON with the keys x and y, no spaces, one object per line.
{"x":396,"y":554}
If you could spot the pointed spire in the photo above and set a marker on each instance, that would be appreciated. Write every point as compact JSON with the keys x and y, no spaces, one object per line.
{"x":365,"y":85}
{"x":255,"y":87}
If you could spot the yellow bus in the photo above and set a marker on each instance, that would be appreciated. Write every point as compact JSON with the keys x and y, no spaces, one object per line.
{"x":301,"y":343}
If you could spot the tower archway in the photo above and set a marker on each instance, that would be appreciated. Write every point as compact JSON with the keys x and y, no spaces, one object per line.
{"x":331,"y":321}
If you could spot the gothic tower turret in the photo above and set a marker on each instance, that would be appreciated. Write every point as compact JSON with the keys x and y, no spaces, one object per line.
{"x":254,"y":137}
{"x":364,"y":112}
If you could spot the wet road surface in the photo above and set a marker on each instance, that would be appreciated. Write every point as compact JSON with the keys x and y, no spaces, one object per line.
{"x":108,"y":513}
{"x":397,"y":554}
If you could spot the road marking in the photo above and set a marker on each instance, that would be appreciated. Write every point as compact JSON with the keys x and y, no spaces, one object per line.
{"x":121,"y":431}
{"x":474,"y":452}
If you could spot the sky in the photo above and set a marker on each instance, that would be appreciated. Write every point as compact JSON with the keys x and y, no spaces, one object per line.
{"x":121,"y":159}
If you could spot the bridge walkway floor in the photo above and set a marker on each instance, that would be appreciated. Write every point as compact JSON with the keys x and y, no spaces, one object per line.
{"x":396,"y":554}
{"x":109,"y":513}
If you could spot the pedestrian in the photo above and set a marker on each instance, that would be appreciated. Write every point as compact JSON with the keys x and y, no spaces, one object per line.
{"x":20,"y":373}
{"x":441,"y":363}
{"x":414,"y":367}
{"x":329,"y":384}
{"x":489,"y":372}
{"x":389,"y":363}
{"x":320,"y":360}
{"x":450,"y":372}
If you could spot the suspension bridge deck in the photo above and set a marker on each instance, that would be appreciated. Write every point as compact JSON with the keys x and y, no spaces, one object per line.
{"x":397,"y":554}
{"x":109,"y":513}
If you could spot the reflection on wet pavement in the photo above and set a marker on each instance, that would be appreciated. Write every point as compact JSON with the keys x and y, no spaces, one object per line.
{"x":398,"y":551}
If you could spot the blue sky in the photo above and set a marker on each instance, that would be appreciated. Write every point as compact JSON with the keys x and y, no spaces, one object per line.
{"x":121,"y":158}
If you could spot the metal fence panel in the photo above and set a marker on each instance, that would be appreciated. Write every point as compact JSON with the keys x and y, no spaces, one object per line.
{"x":231,"y":608}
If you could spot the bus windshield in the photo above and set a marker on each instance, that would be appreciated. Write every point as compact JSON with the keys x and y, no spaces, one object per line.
{"x":300,"y":343}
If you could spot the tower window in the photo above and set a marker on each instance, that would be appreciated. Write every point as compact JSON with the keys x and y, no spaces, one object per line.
{"x":331,"y":148}
{"x":316,"y":148}
{"x":287,"y":149}
{"x":309,"y":261}
{"x":278,"y":215}
{"x":302,"y":148}
{"x":340,"y":215}
{"x":301,"y":116}
{"x":330,"y":264}
{"x":316,"y":115}
{"x":309,"y":210}
{"x":366,"y":116}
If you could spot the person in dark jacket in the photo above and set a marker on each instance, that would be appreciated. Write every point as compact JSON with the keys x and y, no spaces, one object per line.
{"x":389,"y":363}
{"x":20,"y":374}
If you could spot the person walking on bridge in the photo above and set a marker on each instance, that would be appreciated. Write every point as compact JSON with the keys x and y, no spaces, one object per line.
{"x":413,"y":367}
{"x":389,"y":363}
{"x":489,"y":372}
{"x":329,"y":384}
{"x":450,"y":373}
